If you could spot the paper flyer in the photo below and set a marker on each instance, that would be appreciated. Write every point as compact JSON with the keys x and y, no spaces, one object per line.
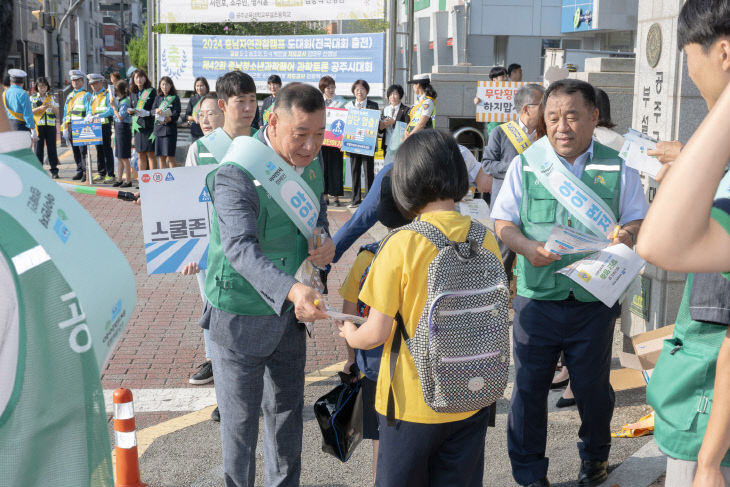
{"x":606,"y":274}
{"x":565,"y":240}
{"x":634,"y":152}
{"x":476,"y":208}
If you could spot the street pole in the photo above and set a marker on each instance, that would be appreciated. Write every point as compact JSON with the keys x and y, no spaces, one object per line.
{"x":124,"y":35}
{"x":47,"y":44}
{"x":150,"y":40}
{"x":81,"y":31}
{"x":392,"y":41}
{"x":409,"y":43}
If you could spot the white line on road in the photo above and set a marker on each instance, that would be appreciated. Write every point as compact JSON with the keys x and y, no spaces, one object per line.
{"x":153,"y":400}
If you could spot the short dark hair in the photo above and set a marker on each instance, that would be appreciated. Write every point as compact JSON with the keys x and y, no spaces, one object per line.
{"x":304,"y":97}
{"x":604,"y":109}
{"x":392,"y":88}
{"x":173,"y":91}
{"x":326,"y":81}
{"x":570,"y":86}
{"x":428,"y":167}
{"x":147,"y":83}
{"x":512,"y":67}
{"x":42,"y":80}
{"x":122,"y":88}
{"x":703,"y":22}
{"x":497,"y":71}
{"x":387,"y":211}
{"x":234,"y":83}
{"x":115,"y":74}
{"x":362,"y":83}
{"x":204,"y":81}
{"x":274,"y":79}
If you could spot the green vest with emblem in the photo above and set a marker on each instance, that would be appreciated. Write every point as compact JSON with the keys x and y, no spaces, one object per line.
{"x":280,"y":240}
{"x":682,"y":383}
{"x":540,"y":211}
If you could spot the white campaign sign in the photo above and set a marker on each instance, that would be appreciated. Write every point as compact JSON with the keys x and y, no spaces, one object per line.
{"x":176,"y":217}
{"x":606,"y":274}
{"x":175,"y":11}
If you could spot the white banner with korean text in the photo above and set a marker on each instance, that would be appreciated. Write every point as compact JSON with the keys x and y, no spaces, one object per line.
{"x":497,"y":100}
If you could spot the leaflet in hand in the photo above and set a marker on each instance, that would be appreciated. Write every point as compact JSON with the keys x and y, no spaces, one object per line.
{"x":565,"y":240}
{"x":336,"y":315}
{"x":606,"y":274}
{"x":634,"y":153}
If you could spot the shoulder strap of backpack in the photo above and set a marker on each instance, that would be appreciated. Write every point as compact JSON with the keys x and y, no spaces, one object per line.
{"x":400,"y":336}
{"x":428,"y":230}
{"x":477,"y":232}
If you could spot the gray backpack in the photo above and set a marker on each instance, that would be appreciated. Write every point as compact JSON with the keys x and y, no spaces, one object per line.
{"x":461,"y":345}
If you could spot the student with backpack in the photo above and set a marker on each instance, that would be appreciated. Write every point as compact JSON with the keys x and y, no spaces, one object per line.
{"x":368,"y":361}
{"x":445,"y":360}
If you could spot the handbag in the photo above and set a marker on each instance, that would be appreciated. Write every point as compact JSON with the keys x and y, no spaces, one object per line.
{"x":339,"y":414}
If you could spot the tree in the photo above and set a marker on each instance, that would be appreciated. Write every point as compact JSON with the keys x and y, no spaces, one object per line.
{"x":137,"y":49}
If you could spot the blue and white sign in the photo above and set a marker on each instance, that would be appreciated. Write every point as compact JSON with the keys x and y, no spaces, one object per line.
{"x":86,"y":133}
{"x":176,"y":217}
{"x":361,"y":131}
{"x":577,"y":16}
{"x":345,"y":57}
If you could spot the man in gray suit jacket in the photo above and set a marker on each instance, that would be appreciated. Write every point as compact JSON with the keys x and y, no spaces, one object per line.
{"x":500,"y":151}
{"x":258,"y":352}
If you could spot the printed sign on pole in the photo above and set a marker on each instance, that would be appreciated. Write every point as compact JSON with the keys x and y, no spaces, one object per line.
{"x":176,"y":11}
{"x":176,"y":217}
{"x":86,"y":133}
{"x":361,"y":131}
{"x":336,"y":119}
{"x":497,"y":100}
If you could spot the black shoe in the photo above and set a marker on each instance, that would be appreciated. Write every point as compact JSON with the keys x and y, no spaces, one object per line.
{"x":543,"y":482}
{"x":559,"y":385}
{"x":204,"y":374}
{"x":54,"y":175}
{"x":118,"y":183}
{"x":79,"y":175}
{"x":564,"y":402}
{"x":216,"y":415}
{"x":592,"y":472}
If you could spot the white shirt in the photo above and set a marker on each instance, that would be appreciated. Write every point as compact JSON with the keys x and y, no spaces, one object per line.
{"x":632,"y":203}
{"x":390,"y":111}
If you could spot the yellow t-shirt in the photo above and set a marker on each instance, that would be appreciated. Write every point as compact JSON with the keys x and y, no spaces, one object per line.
{"x":351,"y":286}
{"x":397,"y":281}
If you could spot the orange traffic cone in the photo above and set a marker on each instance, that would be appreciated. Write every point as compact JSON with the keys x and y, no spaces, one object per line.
{"x":125,"y":440}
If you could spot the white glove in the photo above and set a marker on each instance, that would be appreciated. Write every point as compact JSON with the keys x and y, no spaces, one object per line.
{"x":33,"y":135}
{"x":88,"y":118}
{"x":67,"y":136}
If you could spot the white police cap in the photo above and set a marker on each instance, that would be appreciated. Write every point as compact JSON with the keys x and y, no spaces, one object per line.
{"x":94,"y":77}
{"x":419,"y":78}
{"x":76,"y":74}
{"x":17,"y":73}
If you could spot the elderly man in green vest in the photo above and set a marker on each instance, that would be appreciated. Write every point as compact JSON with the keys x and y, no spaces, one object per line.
{"x":552,"y":313}
{"x":257,"y":244}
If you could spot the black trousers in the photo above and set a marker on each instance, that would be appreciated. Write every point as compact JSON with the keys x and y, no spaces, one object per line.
{"x":18,"y":125}
{"x":47,"y":138}
{"x":79,"y":154}
{"x":104,"y":153}
{"x":332,"y":161}
{"x":356,"y":163}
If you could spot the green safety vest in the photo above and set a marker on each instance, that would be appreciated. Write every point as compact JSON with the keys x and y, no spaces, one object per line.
{"x":48,"y":117}
{"x":682,"y":384}
{"x":204,"y":156}
{"x":98,"y":105}
{"x":280,"y":240}
{"x":77,"y":110}
{"x":540,"y":211}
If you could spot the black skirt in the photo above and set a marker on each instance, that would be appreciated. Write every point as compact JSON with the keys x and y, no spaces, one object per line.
{"x":123,"y":140}
{"x":142,"y":142}
{"x":165,"y":145}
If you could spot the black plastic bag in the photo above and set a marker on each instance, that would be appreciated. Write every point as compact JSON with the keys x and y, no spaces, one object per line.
{"x":339,"y":414}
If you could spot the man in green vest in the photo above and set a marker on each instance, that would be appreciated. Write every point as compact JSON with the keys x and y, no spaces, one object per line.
{"x":688,"y":230}
{"x":552,"y":313}
{"x":256,"y":305}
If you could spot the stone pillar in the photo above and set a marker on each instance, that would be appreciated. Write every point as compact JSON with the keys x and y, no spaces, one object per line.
{"x":458,"y":20}
{"x":424,"y":56}
{"x":440,"y":35}
{"x":667,"y":106}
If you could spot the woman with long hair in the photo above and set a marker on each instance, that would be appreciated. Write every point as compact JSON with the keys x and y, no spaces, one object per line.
{"x":423,"y":113}
{"x":142,"y":98}
{"x":332,"y":156}
{"x":167,"y":110}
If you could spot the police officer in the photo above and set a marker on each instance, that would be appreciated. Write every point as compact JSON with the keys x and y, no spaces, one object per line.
{"x":17,"y":102}
{"x":100,"y":106}
{"x":75,"y":110}
{"x":553,"y":314}
{"x":45,"y":111}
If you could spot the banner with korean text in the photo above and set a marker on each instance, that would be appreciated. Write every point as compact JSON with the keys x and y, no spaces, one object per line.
{"x":175,"y":11}
{"x":497,"y":100}
{"x":335,"y":127}
{"x":345,"y":57}
{"x":176,"y":213}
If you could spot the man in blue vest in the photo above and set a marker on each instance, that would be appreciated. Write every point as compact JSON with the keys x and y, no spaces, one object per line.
{"x":17,"y":103}
{"x":552,"y":313}
{"x":258,"y":346}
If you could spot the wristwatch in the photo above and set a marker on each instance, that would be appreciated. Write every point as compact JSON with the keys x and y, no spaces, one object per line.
{"x":633,"y":237}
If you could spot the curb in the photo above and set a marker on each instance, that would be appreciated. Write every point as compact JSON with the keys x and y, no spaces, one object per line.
{"x":639,"y":470}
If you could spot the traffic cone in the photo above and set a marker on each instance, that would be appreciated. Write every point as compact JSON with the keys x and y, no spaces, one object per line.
{"x":125,"y":440}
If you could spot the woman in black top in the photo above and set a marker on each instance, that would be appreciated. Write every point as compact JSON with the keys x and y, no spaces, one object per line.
{"x":166,"y":110}
{"x":360,"y":89}
{"x":142,"y":98}
{"x":191,"y":113}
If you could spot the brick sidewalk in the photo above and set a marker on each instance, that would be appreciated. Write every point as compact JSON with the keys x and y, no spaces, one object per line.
{"x":162,"y":344}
